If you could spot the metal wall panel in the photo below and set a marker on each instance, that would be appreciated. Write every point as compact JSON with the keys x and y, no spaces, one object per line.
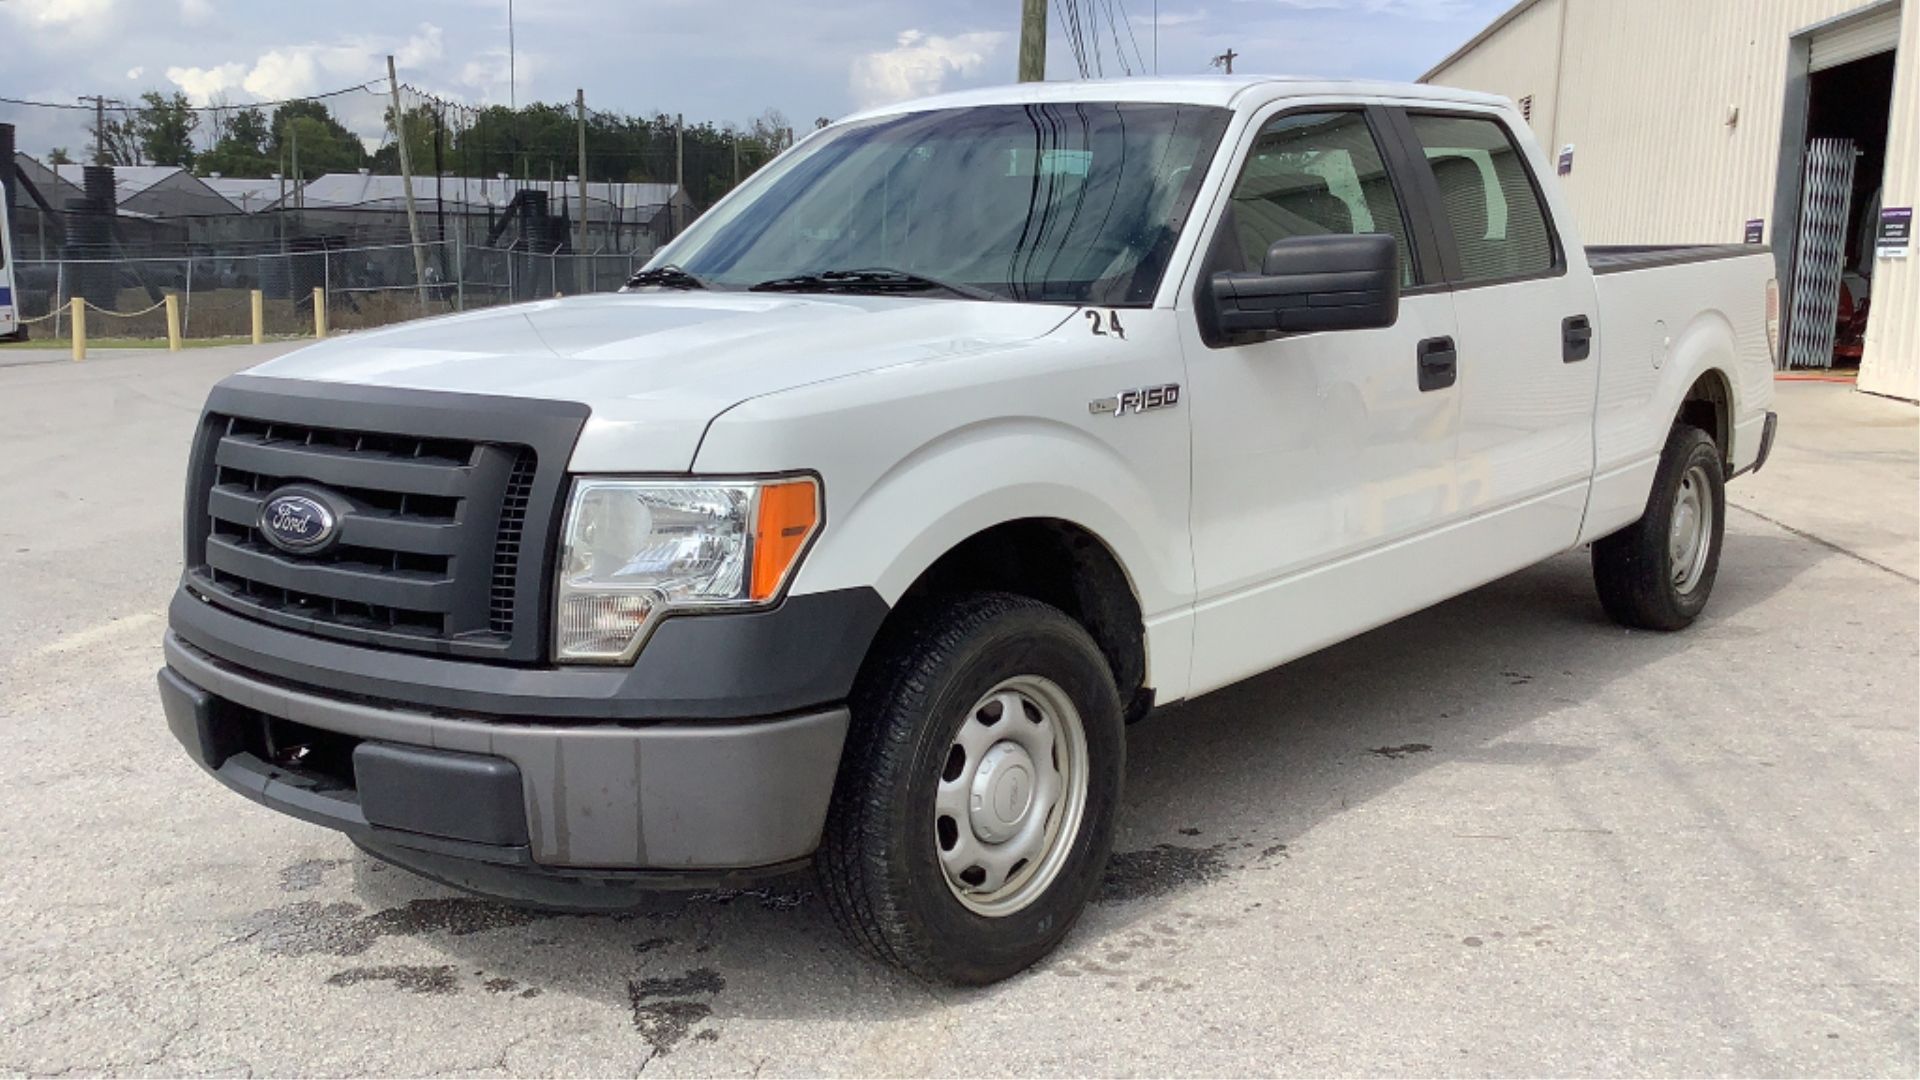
{"x":1892,"y":361}
{"x":1646,"y":87}
{"x":1522,"y":58}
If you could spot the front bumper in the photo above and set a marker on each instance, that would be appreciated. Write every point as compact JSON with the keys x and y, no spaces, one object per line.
{"x":531,"y":811}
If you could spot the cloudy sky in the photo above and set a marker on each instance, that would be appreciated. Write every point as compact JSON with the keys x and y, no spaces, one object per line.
{"x":724,"y":60}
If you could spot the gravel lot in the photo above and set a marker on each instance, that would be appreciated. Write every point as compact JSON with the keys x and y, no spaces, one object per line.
{"x":1501,"y":836}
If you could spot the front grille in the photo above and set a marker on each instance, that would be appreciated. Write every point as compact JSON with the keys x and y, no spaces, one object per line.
{"x":437,"y":546}
{"x":506,"y":548}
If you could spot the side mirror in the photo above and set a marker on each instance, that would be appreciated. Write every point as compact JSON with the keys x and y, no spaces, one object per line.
{"x":1307,"y":283}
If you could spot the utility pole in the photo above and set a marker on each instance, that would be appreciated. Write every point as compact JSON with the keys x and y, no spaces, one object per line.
{"x":736,"y":159}
{"x":1033,"y":40}
{"x":1226,"y":59}
{"x":513,"y":99}
{"x":580,"y":107}
{"x":406,"y":186}
{"x":679,"y":169}
{"x":100,"y":104}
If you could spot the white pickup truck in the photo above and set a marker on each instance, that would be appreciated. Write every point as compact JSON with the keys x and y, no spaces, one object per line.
{"x":855,"y":530}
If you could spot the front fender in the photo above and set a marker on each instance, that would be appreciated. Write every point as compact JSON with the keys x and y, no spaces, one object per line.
{"x":918,"y":458}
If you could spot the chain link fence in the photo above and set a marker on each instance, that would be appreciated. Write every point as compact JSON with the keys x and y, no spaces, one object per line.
{"x":360,"y":287}
{"x":122,"y":203}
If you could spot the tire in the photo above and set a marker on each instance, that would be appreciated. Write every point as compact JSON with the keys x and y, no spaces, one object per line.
{"x":924,"y":709}
{"x":1644,"y":581}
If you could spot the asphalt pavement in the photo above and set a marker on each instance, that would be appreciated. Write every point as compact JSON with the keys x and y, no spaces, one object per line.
{"x":1502,"y":836}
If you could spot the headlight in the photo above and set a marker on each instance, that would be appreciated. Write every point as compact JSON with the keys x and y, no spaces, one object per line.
{"x":633,"y":551}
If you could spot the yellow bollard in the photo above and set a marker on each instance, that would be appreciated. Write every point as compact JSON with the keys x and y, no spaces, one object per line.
{"x":319,"y":312}
{"x":259,"y":316}
{"x":79,"y":328}
{"x":173,"y":322}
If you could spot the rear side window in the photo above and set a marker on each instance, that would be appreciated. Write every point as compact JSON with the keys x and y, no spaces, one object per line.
{"x":1499,"y":224}
{"x":1314,"y":174}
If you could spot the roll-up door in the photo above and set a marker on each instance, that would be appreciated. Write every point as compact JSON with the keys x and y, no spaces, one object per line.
{"x":1859,"y":38}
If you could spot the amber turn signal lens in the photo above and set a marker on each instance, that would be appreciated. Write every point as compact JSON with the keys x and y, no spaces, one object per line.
{"x":789,"y":511}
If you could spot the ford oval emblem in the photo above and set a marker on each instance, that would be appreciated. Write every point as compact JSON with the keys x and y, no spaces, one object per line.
{"x":297,"y":523}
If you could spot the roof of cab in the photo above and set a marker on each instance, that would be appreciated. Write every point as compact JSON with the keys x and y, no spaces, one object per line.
{"x":1228,"y":91}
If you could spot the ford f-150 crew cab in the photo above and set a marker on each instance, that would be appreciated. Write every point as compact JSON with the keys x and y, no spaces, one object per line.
{"x":855,"y":529}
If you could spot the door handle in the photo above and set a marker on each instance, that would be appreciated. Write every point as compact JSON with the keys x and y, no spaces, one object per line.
{"x":1439,"y":363}
{"x":1576,"y":338}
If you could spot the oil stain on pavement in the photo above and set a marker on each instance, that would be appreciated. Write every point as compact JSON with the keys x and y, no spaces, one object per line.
{"x":666,"y":1009}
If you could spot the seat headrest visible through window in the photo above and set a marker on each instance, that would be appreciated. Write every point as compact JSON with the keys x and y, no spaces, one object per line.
{"x":1463,"y":191}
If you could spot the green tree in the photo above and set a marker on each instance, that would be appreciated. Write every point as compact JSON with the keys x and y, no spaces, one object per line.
{"x":115,"y":142}
{"x":325,"y":144}
{"x":59,"y":156}
{"x":422,"y":122}
{"x":241,"y":149}
{"x":163,"y":126}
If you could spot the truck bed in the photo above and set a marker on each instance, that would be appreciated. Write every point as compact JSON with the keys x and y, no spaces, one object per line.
{"x":1620,"y":258}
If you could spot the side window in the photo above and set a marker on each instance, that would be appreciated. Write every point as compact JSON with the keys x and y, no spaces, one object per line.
{"x":1498,"y":221}
{"x":1312,"y":174}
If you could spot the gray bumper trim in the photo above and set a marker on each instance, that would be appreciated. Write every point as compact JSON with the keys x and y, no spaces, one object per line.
{"x":607,"y":796}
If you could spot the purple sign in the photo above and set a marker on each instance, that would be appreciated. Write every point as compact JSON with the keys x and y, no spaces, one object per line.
{"x":1896,"y":232}
{"x":1757,"y":231}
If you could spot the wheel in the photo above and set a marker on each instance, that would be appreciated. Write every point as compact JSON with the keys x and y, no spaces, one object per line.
{"x":1657,"y":573}
{"x":974,"y":807}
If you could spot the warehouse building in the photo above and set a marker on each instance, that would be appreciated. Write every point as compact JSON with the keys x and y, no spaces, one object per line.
{"x":1789,"y":123}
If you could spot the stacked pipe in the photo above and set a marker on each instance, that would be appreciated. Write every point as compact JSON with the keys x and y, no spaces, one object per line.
{"x":90,"y":238}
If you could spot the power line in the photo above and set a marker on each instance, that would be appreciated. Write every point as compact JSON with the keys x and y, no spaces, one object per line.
{"x":364,"y":87}
{"x":1139,"y":59}
{"x":1113,"y":29}
{"x":1069,"y":12}
{"x":1093,"y":27}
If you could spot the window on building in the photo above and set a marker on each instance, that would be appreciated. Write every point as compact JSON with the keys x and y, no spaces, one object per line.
{"x":1315,"y":174}
{"x":1499,"y":223}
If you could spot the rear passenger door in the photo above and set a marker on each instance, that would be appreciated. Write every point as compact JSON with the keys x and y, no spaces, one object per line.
{"x":1528,"y":357}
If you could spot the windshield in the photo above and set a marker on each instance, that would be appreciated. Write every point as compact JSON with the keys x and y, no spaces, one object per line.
{"x":1070,"y":202}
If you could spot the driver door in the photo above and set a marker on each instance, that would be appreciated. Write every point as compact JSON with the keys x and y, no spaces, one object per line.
{"x":1321,"y":461}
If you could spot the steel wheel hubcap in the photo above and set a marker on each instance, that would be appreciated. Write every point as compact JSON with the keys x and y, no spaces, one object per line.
{"x":1690,"y":538}
{"x":1012,"y":790}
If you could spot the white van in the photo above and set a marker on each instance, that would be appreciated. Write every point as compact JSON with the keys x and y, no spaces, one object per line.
{"x":10,"y":328}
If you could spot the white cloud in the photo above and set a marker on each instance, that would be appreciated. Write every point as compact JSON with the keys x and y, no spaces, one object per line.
{"x":424,"y":47}
{"x":485,"y":77}
{"x":74,"y":14}
{"x":920,"y":64}
{"x":202,"y":83}
{"x":1169,"y":18}
{"x":1407,"y":9}
{"x":136,"y":72}
{"x":196,"y":11}
{"x":290,"y":71}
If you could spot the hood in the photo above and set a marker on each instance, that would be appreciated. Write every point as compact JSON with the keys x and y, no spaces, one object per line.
{"x":654,"y":368}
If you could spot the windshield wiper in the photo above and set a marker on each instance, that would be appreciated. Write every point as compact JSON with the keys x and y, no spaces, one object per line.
{"x":877,"y":279}
{"x":667,"y":276}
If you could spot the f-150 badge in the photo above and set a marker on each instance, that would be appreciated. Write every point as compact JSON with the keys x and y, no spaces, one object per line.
{"x":1137,"y":400}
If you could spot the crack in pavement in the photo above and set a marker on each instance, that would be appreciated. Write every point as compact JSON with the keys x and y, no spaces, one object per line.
{"x":1826,"y":543}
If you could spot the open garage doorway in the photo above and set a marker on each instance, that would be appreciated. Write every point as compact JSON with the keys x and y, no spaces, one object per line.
{"x":1833,"y":160}
{"x":1848,"y":105}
